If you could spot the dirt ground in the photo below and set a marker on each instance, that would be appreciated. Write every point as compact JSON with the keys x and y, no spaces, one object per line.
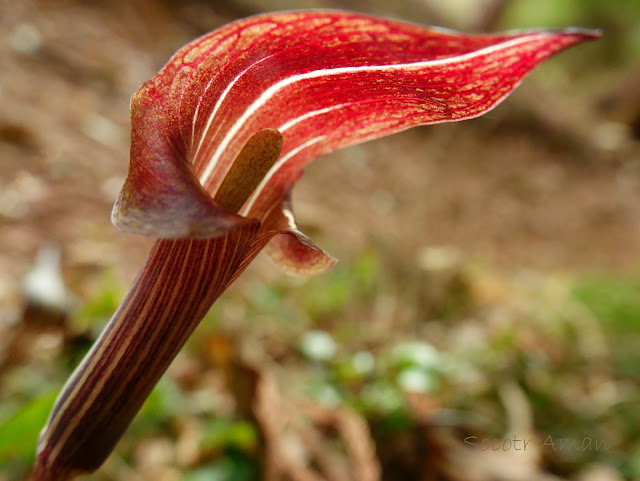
{"x":549,"y":180}
{"x":561,"y":196}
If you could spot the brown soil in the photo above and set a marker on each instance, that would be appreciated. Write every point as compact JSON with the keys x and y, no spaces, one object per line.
{"x":501,"y":193}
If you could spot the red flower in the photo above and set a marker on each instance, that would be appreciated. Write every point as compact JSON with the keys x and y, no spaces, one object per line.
{"x":219,"y":137}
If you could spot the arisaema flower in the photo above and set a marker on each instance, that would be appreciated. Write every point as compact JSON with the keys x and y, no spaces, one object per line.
{"x":219,"y":138}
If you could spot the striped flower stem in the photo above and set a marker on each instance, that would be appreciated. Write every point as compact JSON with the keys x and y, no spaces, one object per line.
{"x":173,"y":291}
{"x":210,"y":169}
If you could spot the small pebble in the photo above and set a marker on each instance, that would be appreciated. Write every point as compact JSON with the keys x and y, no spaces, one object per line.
{"x":26,"y":39}
{"x":318,"y":346}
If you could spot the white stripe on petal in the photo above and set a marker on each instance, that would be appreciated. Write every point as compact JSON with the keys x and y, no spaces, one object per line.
{"x":219,"y":103}
{"x":270,"y":92}
{"x":313,"y":113}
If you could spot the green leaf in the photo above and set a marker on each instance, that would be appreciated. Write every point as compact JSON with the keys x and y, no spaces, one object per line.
{"x":19,"y":433}
{"x":615,"y":301}
{"x":235,"y":467}
{"x":222,"y":433}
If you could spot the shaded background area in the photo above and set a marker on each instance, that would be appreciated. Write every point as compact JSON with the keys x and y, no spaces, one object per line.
{"x":488,"y":286}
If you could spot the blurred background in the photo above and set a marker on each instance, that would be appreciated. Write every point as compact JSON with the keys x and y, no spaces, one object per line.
{"x":488,"y":290}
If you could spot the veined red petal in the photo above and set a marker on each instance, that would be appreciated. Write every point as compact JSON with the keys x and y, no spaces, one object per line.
{"x":325,"y":80}
{"x":293,"y":251}
{"x":161,"y":196}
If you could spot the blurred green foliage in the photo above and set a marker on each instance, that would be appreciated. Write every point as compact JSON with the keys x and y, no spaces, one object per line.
{"x":94,"y":313}
{"x":618,"y":19}
{"x":615,"y":301}
{"x":19,"y":432}
{"x":223,"y":434}
{"x":234,"y":467}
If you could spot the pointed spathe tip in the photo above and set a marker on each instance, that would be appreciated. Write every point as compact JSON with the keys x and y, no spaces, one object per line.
{"x":584,"y":33}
